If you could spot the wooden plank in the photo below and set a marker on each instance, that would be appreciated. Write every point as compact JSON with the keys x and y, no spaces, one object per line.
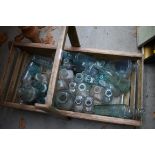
{"x":133,"y":89}
{"x":52,"y":111}
{"x":22,"y":107}
{"x":14,"y":78}
{"x":35,"y":45}
{"x":53,"y":79}
{"x":140,"y":83}
{"x":86,"y":50}
{"x":73,"y":36}
{"x":5,"y":76}
{"x":24,"y":64}
{"x":106,"y":52}
{"x":99,"y":118}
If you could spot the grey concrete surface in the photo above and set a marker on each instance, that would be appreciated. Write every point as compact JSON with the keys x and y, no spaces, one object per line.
{"x":114,"y":38}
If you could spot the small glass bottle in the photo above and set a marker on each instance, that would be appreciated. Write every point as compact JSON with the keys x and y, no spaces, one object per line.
{"x":78,"y":103}
{"x":31,"y":71}
{"x":97,"y":92}
{"x":43,"y":78}
{"x":79,"y":77}
{"x":27,"y":94}
{"x":82,"y":90}
{"x":61,"y":85}
{"x":88,"y":105}
{"x":89,"y":79}
{"x":66,"y":75}
{"x":67,"y":63}
{"x":107,"y":97}
{"x":64,"y":100}
{"x":72,"y":87}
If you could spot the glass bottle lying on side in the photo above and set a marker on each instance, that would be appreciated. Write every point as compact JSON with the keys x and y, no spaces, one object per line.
{"x":118,"y":110}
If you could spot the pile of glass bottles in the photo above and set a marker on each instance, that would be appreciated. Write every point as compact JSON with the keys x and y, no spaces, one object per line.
{"x":34,"y":81}
{"x":87,"y":84}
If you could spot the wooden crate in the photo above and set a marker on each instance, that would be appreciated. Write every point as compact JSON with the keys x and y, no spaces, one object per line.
{"x":134,"y":97}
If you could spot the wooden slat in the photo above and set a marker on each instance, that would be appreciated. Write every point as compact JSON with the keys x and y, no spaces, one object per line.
{"x":5,"y":77}
{"x":86,"y":50}
{"x":105,"y":119}
{"x":140,"y":83}
{"x":105,"y":52}
{"x":24,"y":64}
{"x":73,"y":36}
{"x":35,"y":45}
{"x":57,"y":59}
{"x":14,"y":78}
{"x":22,"y":107}
{"x":133,"y":89}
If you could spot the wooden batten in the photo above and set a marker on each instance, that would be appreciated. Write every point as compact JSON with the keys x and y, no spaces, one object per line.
{"x":133,"y":89}
{"x":140,"y":83}
{"x":80,"y":49}
{"x":5,"y":77}
{"x":53,"y":79}
{"x":14,"y":78}
{"x":133,"y":55}
{"x":100,"y":118}
{"x":23,"y":65}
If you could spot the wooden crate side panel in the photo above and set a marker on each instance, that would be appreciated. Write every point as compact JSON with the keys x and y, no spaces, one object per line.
{"x":14,"y":78}
{"x":6,"y":74}
{"x":99,"y":118}
{"x":24,"y":63}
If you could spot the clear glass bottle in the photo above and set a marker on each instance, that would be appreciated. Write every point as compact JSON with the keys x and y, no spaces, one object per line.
{"x":97,"y":92}
{"x":78,"y":103}
{"x":123,"y":68}
{"x":88,"y":105}
{"x":42,"y":61}
{"x":89,"y":79}
{"x":27,"y":94}
{"x":82,"y":90}
{"x":66,"y":75}
{"x":107,"y":97}
{"x":41,"y":87}
{"x":72,"y":87}
{"x":114,"y":110}
{"x":61,"y":85}
{"x":42,"y":78}
{"x":31,"y":70}
{"x":79,"y":77}
{"x":67,"y":63}
{"x":64,"y":100}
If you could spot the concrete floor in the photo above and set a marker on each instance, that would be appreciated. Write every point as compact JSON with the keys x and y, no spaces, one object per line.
{"x":114,"y":38}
